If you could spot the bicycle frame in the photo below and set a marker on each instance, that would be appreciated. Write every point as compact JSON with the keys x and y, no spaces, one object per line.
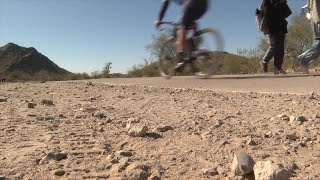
{"x":192,"y":42}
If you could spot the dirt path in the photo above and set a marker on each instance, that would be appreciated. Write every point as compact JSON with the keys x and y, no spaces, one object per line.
{"x":296,"y":84}
{"x":189,"y":130}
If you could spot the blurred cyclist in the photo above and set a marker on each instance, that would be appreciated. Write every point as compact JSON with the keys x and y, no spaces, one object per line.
{"x":192,"y":10}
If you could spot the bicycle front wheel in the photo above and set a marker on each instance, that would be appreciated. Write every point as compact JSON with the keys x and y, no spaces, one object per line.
{"x":210,"y":53}
{"x":167,"y":58}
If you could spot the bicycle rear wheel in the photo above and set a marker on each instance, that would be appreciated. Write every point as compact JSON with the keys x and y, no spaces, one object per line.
{"x":210,"y":54}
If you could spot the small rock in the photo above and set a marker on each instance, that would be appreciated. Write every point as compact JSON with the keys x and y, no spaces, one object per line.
{"x":292,"y":118}
{"x":242,"y":164}
{"x":133,"y":120}
{"x":271,"y":171}
{"x":296,"y":123}
{"x":123,"y":163}
{"x":59,"y":173}
{"x":311,"y":95}
{"x":47,"y":102}
{"x":137,"y":172}
{"x":101,"y":166}
{"x":137,"y":131}
{"x":98,"y":114}
{"x":109,"y":120}
{"x":268,"y":134}
{"x":316,"y":116}
{"x":154,"y":177}
{"x":62,"y":116}
{"x":31,"y":105}
{"x":101,"y":129}
{"x":114,"y":161}
{"x":224,"y":143}
{"x":137,"y":175}
{"x":281,"y":116}
{"x":251,"y":142}
{"x":49,"y":118}
{"x":3,"y":99}
{"x":301,"y":118}
{"x":218,"y":123}
{"x":293,"y":166}
{"x":89,"y":109}
{"x":125,"y":153}
{"x":292,"y":136}
{"x":210,"y":172}
{"x":297,"y":120}
{"x":57,"y":156}
{"x":31,"y":115}
{"x":222,"y":170}
{"x":273,"y":119}
{"x":165,"y":128}
{"x":93,"y":98}
{"x":80,"y":116}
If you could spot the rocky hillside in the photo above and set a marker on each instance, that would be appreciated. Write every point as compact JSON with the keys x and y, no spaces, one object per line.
{"x":20,"y":61}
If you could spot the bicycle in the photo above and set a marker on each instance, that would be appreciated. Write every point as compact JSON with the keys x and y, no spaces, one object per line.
{"x":203,"y":62}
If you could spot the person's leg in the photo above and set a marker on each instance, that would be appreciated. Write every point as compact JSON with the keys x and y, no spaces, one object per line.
{"x":181,"y":41}
{"x":269,"y":54}
{"x":279,"y":52}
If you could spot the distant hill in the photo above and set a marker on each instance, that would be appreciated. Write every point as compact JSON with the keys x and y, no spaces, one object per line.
{"x":27,"y":64}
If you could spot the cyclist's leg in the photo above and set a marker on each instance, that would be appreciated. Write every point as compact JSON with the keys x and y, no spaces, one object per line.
{"x":193,"y":11}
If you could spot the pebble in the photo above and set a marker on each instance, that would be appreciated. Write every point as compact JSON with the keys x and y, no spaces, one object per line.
{"x":31,"y":105}
{"x":59,"y":173}
{"x":165,"y":128}
{"x":251,"y":142}
{"x":292,"y":136}
{"x":49,"y":118}
{"x":125,"y":153}
{"x":154,"y":177}
{"x":271,"y":171}
{"x":57,"y":156}
{"x":137,"y":131}
{"x":3,"y":99}
{"x":98,"y":114}
{"x":242,"y":164}
{"x":47,"y":102}
{"x":210,"y":172}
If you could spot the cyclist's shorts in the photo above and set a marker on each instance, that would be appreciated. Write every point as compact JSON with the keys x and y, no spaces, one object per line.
{"x":193,"y":10}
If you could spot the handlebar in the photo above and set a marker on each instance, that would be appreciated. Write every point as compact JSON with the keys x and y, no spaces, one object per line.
{"x":169,"y":23}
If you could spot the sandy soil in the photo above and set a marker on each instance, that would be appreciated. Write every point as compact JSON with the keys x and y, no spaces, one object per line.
{"x":84,"y":134}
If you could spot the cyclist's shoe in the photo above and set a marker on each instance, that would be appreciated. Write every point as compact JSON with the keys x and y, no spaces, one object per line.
{"x":264,"y":67}
{"x":190,"y":59}
{"x":199,"y":73}
{"x":179,"y":66}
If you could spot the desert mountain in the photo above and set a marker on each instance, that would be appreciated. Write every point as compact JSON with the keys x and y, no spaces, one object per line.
{"x":27,"y":61}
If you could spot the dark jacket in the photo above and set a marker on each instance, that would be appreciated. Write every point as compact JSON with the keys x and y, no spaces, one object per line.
{"x":276,"y":14}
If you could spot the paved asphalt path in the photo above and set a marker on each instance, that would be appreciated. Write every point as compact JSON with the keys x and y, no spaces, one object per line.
{"x":267,"y":83}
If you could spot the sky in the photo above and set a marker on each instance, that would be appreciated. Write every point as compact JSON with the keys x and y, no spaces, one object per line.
{"x":82,"y":35}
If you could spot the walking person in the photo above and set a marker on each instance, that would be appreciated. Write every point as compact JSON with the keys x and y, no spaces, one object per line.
{"x":276,"y":12}
{"x":313,"y":14}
